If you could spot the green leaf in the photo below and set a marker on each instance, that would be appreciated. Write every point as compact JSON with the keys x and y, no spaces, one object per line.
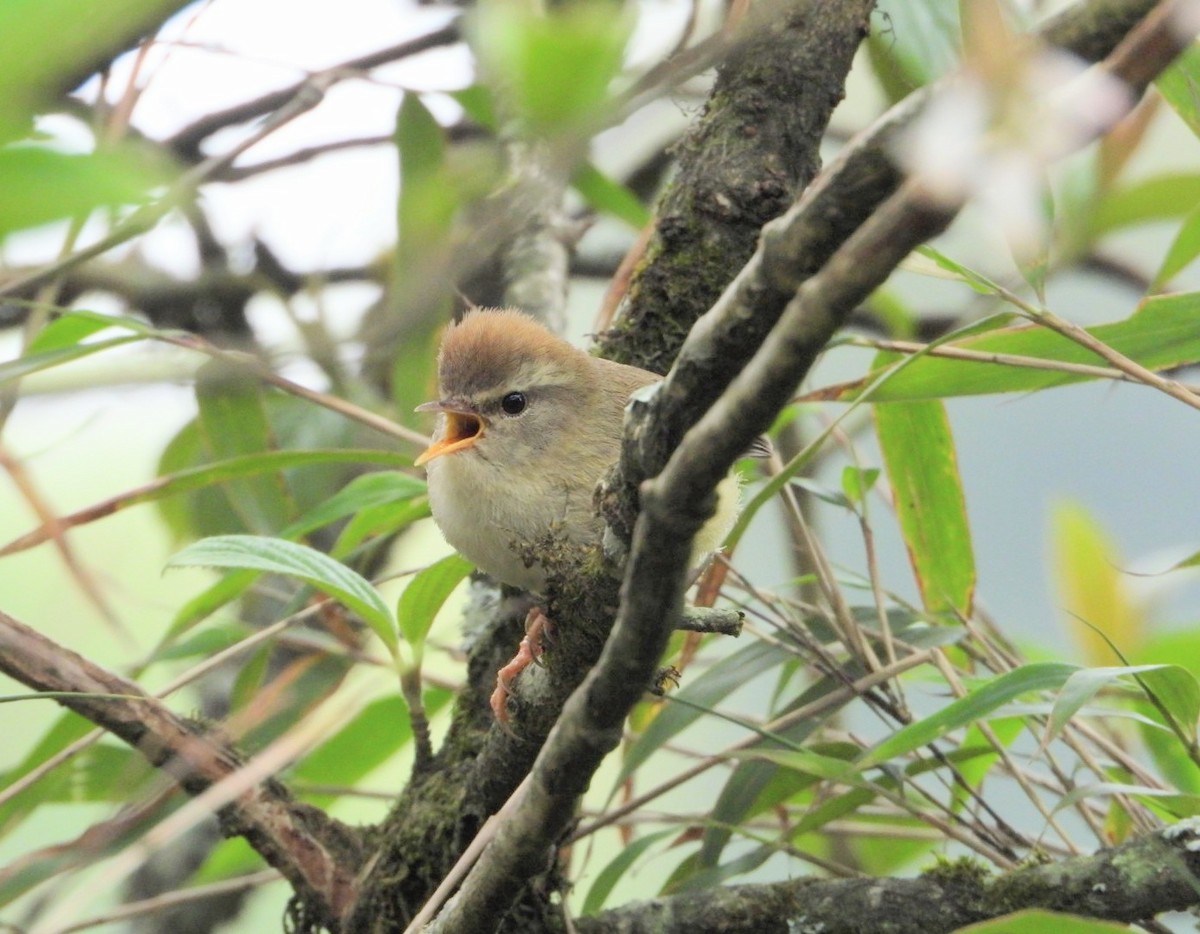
{"x":276,"y":556}
{"x":425,"y":594}
{"x":611,"y":874}
{"x":41,"y":185}
{"x":857,"y":482}
{"x":1176,"y":693}
{"x":1038,"y":921}
{"x":1081,"y":687}
{"x":197,"y":478}
{"x":555,"y":66}
{"x":374,"y":735}
{"x":915,"y":42}
{"x":702,"y":694}
{"x":233,"y":421}
{"x":21,"y":367}
{"x":46,"y":41}
{"x":73,"y":327}
{"x":1180,"y":86}
{"x":1162,"y":197}
{"x":922,"y":466}
{"x":1161,"y":335}
{"x":983,"y":700}
{"x":426,"y":207}
{"x":477,"y":102}
{"x":1182,"y":252}
{"x":610,"y":197}
{"x":378,"y":488}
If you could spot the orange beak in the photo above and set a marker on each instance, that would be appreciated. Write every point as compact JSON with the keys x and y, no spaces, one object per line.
{"x":463,"y":428}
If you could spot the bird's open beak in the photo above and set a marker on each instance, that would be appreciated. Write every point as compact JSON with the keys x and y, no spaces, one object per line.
{"x":463,"y":428}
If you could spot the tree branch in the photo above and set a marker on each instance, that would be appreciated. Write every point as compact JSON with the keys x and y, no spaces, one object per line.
{"x":186,"y":142}
{"x":1132,"y":882}
{"x":318,"y":855}
{"x":676,"y":502}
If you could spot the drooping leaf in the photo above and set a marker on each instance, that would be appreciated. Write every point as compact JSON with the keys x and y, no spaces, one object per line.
{"x":276,"y":556}
{"x":1181,"y":253}
{"x":1161,"y":197}
{"x":922,"y":466}
{"x":1093,"y":593}
{"x":610,"y":197}
{"x":1081,"y":687}
{"x":1180,"y":87}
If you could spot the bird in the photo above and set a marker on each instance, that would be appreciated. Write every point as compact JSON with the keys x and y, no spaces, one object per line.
{"x":528,"y":424}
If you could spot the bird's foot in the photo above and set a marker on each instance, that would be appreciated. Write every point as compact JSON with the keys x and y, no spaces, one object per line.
{"x":537,"y":627}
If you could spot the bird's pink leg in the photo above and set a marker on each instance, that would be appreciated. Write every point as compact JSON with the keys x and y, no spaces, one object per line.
{"x":537,"y":626}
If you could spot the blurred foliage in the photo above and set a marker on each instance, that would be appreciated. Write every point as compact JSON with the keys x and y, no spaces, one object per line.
{"x":310,"y":516}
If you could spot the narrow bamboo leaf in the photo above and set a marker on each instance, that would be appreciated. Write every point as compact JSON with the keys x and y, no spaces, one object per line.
{"x":922,"y":466}
{"x":425,"y":594}
{"x":1175,"y":689}
{"x":378,"y":488}
{"x":1094,"y":595}
{"x":276,"y":556}
{"x":1180,"y":87}
{"x":36,"y":868}
{"x":1037,"y":921}
{"x":234,"y":423}
{"x":73,"y":327}
{"x":1181,"y":253}
{"x":1191,"y":561}
{"x":718,"y":682}
{"x":922,"y":42}
{"x":375,"y":521}
{"x":610,"y":197}
{"x":1161,"y":335}
{"x":755,"y":785}
{"x":611,"y":874}
{"x":982,"y":701}
{"x":33,"y":363}
{"x":1081,"y":687}
{"x":1162,"y":197}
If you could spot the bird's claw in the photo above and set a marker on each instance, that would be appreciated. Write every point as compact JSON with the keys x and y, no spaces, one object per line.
{"x":530,"y":651}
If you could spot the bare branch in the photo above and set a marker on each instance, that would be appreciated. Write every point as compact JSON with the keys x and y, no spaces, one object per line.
{"x":186,"y":142}
{"x":1133,"y":882}
{"x":318,"y":855}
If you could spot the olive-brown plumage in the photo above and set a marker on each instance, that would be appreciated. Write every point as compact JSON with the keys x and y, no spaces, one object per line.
{"x":528,"y":426}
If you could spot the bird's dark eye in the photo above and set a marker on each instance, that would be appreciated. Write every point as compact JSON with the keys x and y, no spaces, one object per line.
{"x":514,"y":403}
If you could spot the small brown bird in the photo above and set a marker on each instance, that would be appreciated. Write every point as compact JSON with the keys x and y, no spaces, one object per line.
{"x":527,"y":426}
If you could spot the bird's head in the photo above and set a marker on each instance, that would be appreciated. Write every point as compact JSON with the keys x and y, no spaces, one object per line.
{"x":510,"y":390}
